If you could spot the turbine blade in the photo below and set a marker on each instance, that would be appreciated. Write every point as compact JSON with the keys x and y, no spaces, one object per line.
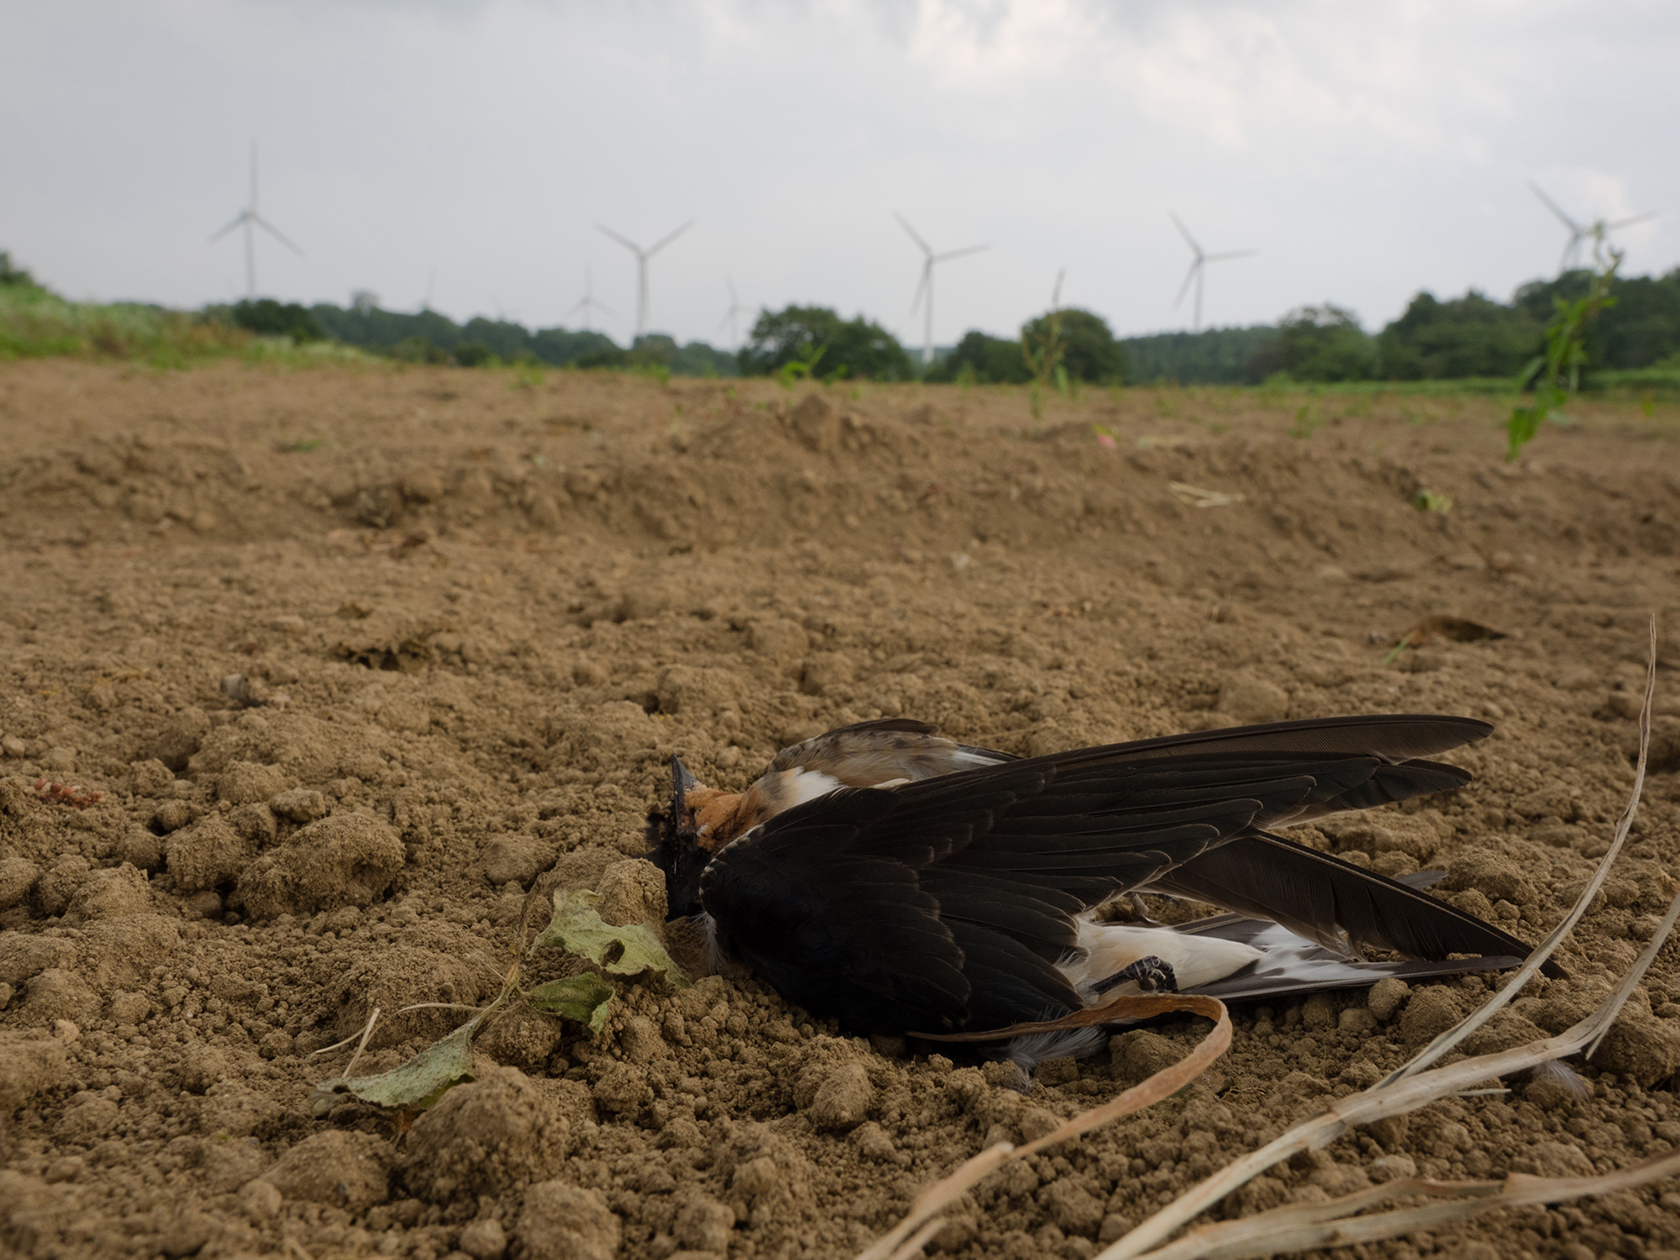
{"x":1185,"y":233}
{"x":603,"y":308}
{"x":958,"y":253}
{"x":275,"y":232}
{"x":1234,"y":253}
{"x":622,"y":240}
{"x":1622,"y":223}
{"x":673,"y":236}
{"x":1189,"y":279}
{"x":240,"y":218}
{"x":1553,"y":207}
{"x":905,"y":224}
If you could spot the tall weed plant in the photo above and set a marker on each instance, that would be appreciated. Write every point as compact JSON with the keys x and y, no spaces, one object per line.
{"x":1556,"y":374}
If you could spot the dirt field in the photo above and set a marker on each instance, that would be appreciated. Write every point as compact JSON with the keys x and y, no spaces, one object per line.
{"x":355,"y":657}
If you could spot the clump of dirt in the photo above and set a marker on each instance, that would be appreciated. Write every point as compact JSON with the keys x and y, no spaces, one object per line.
{"x":356,"y":660}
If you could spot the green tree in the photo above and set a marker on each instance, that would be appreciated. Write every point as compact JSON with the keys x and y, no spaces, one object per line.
{"x":1089,"y":350}
{"x":471,"y":354}
{"x":987,"y":360}
{"x":268,"y":318}
{"x":1215,"y":356}
{"x":10,"y":275}
{"x":858,"y":347}
{"x":1319,"y":343}
{"x":1642,"y":328}
{"x":1468,"y":336}
{"x":418,"y":349}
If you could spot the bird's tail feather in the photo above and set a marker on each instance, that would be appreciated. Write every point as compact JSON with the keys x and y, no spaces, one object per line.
{"x":1339,"y":906}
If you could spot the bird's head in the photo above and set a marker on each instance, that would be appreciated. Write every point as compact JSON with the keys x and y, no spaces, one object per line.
{"x":682,"y":839}
{"x":673,"y":845}
{"x":701,"y":821}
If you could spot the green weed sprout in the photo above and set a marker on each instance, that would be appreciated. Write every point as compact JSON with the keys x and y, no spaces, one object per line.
{"x":1556,"y":375}
{"x":801,"y":369}
{"x":1044,"y":361}
{"x":1307,"y":422}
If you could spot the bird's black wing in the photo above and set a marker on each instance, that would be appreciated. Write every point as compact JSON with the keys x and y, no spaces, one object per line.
{"x":947,"y":902}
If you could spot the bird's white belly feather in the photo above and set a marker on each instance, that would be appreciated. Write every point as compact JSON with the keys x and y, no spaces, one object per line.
{"x":1105,"y":948}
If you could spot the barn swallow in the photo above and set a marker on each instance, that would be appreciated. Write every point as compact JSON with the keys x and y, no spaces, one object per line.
{"x":904,"y":882}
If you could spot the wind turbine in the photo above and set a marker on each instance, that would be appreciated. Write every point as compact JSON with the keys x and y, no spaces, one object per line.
{"x":924,"y":290}
{"x":642,"y":256}
{"x":1580,"y":232}
{"x":249,"y":219}
{"x":588,"y":303}
{"x":1199,"y":265}
{"x":732,"y":315}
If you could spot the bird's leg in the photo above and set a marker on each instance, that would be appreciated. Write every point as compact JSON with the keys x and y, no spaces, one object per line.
{"x":1142,"y":911}
{"x":1150,"y":974}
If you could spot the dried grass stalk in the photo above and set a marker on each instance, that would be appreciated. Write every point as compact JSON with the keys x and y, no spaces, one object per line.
{"x":1413,"y":1088}
{"x":923,"y":1221}
{"x":1508,"y":992}
{"x":1333,"y":1224}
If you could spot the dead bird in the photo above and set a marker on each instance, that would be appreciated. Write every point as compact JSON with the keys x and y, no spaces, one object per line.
{"x":904,"y":882}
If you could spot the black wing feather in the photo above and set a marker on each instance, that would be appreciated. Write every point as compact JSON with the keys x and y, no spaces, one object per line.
{"x":1391,"y":736}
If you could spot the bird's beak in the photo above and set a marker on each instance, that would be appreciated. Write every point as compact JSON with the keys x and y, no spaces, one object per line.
{"x":674,"y":850}
{"x":681,"y":781}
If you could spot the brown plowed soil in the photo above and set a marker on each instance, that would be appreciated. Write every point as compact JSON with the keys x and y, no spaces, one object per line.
{"x":353,"y":659}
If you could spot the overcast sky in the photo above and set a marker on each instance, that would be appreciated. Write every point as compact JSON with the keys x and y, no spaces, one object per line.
{"x":1365,"y":150}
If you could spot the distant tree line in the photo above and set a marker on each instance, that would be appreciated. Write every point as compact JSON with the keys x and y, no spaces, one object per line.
{"x":1469,"y":336}
{"x":1455,"y":339}
{"x":428,"y":337}
{"x":1218,"y":356}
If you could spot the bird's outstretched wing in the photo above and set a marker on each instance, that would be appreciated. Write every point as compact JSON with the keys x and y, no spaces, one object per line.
{"x":889,"y":750}
{"x":946,"y":903}
{"x":1390,"y":736}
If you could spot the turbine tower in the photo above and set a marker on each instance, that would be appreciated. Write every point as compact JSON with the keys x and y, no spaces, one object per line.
{"x":1198,"y":265}
{"x":1579,"y":233}
{"x":588,"y":303}
{"x":642,"y":256}
{"x":732,"y":315}
{"x":249,"y":219}
{"x":924,"y":290}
